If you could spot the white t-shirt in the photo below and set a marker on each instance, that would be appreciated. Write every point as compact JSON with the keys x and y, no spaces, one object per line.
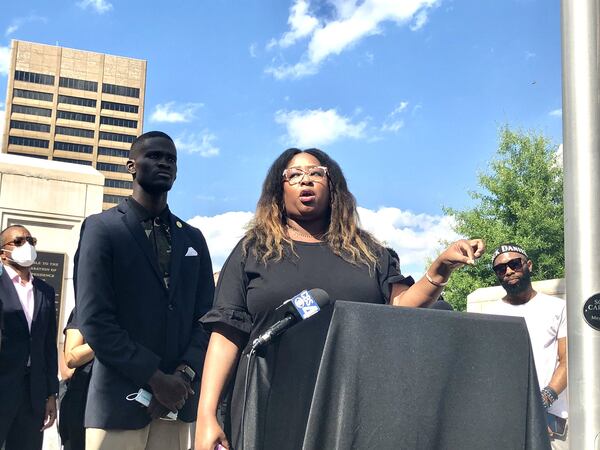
{"x":546,"y":319}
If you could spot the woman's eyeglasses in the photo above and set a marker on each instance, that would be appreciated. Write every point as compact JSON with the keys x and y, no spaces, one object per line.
{"x":295,"y":175}
{"x":514,"y":264}
{"x":20,"y":240}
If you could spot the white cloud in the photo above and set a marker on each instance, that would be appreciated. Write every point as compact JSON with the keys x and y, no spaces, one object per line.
{"x":393,"y":126}
{"x":317,"y":127}
{"x":558,"y":156}
{"x":99,"y":6}
{"x":556,"y":112}
{"x":392,"y":123}
{"x":298,"y":70}
{"x":252,"y":50}
{"x":302,"y":24}
{"x":222,"y":232}
{"x":529,"y":55}
{"x":401,"y":107}
{"x":4,"y":60}
{"x":416,"y":237}
{"x":172,"y":113}
{"x":353,"y":21}
{"x":201,"y":143}
{"x":20,"y":21}
{"x":420,"y":20}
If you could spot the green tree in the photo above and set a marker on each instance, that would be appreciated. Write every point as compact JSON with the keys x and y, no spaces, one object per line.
{"x":519,"y":200}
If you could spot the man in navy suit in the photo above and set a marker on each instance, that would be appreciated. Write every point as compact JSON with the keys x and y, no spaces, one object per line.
{"x":28,"y":356}
{"x":143,"y":279}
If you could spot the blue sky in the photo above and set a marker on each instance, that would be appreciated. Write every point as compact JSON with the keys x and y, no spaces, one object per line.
{"x":407,"y":95}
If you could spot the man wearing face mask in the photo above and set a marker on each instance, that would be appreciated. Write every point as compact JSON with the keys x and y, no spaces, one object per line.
{"x":546,"y":320}
{"x":28,"y":356}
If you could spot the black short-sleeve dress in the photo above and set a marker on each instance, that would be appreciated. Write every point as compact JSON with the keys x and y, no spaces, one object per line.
{"x":248,"y":291}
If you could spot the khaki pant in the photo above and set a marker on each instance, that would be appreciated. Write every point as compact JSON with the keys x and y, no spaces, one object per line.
{"x":157,"y":435}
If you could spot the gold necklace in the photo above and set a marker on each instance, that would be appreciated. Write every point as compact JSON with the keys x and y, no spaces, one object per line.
{"x":318,"y":237}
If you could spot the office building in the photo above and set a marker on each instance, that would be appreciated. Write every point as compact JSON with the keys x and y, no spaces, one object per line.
{"x":75,"y":106}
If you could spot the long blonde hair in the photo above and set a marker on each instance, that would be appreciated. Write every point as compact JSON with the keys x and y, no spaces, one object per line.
{"x":266,"y":236}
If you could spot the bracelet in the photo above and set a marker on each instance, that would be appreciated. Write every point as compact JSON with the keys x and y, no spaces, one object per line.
{"x":435,"y":283}
{"x":549,"y":396}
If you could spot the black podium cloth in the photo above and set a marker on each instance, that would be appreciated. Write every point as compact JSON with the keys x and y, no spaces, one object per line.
{"x":362,"y":376}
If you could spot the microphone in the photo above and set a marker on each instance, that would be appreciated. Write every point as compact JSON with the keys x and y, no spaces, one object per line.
{"x":297,"y":308}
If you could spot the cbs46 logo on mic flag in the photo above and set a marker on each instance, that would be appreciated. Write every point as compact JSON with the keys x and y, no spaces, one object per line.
{"x":305,"y":304}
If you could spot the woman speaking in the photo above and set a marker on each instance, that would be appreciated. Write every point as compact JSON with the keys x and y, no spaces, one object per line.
{"x":305,"y":234}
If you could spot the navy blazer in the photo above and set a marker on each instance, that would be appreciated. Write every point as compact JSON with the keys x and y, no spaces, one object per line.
{"x":19,"y":345}
{"x":134,"y":324}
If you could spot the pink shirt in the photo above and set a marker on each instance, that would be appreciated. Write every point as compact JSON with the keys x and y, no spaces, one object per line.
{"x":24,"y":291}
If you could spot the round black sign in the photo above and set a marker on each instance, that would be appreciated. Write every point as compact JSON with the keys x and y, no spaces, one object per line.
{"x":591,"y":311}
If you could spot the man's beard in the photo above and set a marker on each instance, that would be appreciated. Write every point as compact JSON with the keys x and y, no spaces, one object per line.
{"x":520,"y":286}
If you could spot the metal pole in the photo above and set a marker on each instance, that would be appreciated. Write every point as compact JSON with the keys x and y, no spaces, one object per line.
{"x":581,"y":135}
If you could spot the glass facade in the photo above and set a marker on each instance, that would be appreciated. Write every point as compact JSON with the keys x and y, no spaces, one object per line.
{"x":32,"y":77}
{"x":28,"y":142}
{"x":70,"y":147}
{"x":70,"y":131}
{"x":122,"y":107}
{"x":108,"y":167}
{"x":117,"y":137}
{"x":30,"y":126}
{"x":33,"y":95}
{"x":123,"y":91}
{"x":79,"y":101}
{"x":32,"y":110}
{"x":74,"y":83}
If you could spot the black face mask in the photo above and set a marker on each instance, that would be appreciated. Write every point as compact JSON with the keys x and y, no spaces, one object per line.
{"x":522,"y":285}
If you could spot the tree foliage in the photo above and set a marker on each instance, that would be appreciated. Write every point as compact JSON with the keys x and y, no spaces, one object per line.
{"x":519,"y":200}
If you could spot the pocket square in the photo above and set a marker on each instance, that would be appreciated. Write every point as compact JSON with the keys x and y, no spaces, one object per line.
{"x":191,"y":252}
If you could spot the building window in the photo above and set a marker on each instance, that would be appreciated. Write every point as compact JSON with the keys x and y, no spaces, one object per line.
{"x":69,"y":115}
{"x":121,"y":184}
{"x":28,"y":142}
{"x":29,"y":126}
{"x":107,"y":151}
{"x":117,"y":137}
{"x":70,"y":147}
{"x":31,"y":77}
{"x":74,"y":83}
{"x":118,"y":122}
{"x":122,"y":107}
{"x":108,"y":167}
{"x":73,"y":161}
{"x":33,"y":95}
{"x":70,"y":131}
{"x":124,"y":91}
{"x":77,"y":101}
{"x":110,"y":198}
{"x":28,"y":155}
{"x":31,"y":110}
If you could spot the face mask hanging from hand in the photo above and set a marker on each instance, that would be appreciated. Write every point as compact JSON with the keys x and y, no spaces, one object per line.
{"x":24,"y":256}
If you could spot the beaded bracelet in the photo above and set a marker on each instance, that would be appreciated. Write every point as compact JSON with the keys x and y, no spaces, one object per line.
{"x":549,"y":396}
{"x":435,"y":283}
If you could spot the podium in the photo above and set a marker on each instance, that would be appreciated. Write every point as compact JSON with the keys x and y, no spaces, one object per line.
{"x":364,"y":376}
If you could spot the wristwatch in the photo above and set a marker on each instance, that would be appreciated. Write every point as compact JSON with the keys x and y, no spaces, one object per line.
{"x":188,"y":373}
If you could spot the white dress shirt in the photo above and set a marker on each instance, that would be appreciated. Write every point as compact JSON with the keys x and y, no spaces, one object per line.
{"x":24,"y":290}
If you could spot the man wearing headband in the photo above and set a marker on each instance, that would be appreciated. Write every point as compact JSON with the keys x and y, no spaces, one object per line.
{"x":546,"y":320}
